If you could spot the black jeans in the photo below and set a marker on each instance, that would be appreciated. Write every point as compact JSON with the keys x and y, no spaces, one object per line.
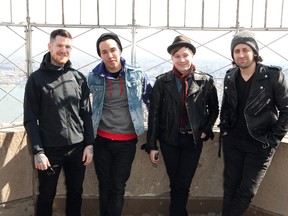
{"x":70,"y":158}
{"x":113,"y":160}
{"x":181,"y":162}
{"x":245,"y":165}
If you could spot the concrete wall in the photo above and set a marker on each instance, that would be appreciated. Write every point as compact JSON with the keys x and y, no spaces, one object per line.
{"x":147,"y":189}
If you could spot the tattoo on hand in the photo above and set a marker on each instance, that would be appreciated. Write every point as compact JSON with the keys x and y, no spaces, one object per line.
{"x":90,"y":149}
{"x":39,"y":158}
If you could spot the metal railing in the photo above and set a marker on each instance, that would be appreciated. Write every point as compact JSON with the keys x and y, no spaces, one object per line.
{"x":145,"y":28}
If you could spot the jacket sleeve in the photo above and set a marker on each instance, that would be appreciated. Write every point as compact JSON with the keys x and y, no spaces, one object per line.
{"x":213,"y":106}
{"x":85,"y":113}
{"x":280,"y":128}
{"x":225,"y":113}
{"x":153,"y":117}
{"x":32,"y":104}
{"x":146,"y":90}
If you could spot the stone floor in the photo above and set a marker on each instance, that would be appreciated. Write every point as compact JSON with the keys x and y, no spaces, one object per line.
{"x":18,"y":208}
{"x":25,"y":207}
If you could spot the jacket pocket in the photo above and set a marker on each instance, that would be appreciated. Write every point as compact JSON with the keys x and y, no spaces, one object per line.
{"x":134,"y":88}
{"x":49,"y":98}
{"x":260,"y":105}
{"x":97,"y":92}
{"x":258,"y":131}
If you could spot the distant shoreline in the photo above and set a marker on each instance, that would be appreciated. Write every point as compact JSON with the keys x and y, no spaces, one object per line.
{"x":7,"y":85}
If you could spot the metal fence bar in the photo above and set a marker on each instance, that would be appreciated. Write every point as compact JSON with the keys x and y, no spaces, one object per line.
{"x":134,"y":40}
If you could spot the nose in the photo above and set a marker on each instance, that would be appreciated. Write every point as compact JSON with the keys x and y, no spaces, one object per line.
{"x":110,"y":54}
{"x":241,"y":53}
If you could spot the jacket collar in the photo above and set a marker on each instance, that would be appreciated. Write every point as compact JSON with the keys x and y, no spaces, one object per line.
{"x":171,"y":85}
{"x":46,"y":64}
{"x":260,"y":72}
{"x":101,"y":70}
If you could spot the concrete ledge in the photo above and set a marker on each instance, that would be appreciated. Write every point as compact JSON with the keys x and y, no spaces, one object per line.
{"x":147,"y":191}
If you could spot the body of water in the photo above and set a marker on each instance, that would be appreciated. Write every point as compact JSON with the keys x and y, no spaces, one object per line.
{"x":11,"y":104}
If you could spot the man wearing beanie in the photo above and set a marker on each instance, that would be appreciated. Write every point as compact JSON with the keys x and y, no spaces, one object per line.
{"x":118,"y":90}
{"x":253,"y":121}
{"x":182,"y":113}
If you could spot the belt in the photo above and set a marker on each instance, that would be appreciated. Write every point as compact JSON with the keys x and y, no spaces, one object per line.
{"x":185,"y":131}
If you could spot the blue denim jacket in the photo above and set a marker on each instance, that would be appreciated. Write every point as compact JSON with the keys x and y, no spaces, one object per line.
{"x":137,"y":87}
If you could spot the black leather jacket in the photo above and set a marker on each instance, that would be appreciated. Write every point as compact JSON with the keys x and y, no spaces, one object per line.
{"x":266,"y":110}
{"x":165,"y":106}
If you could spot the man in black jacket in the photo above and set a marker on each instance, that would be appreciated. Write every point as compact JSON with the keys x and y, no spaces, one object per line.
{"x":253,"y":120}
{"x":182,"y":113}
{"x":57,"y":118}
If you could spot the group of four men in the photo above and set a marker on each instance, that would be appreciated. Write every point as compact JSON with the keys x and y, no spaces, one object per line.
{"x":66,"y":131}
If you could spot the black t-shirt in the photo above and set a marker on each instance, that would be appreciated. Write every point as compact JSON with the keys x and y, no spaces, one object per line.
{"x":243,"y":88}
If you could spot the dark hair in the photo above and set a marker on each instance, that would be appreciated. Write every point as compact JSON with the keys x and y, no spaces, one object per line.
{"x":59,"y":32}
{"x":257,"y":59}
{"x":176,"y":49}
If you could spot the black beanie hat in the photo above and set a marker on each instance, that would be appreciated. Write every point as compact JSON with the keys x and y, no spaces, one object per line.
{"x":245,"y":37}
{"x":181,"y":41}
{"x":106,"y":36}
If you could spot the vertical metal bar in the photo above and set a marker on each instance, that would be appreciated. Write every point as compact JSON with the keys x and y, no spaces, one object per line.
{"x":45,"y":11}
{"x":133,"y":42}
{"x":115,"y":12}
{"x":185,"y":11}
{"x":203,"y":8}
{"x":252,"y":14}
{"x":80,"y":11}
{"x":265,"y":17}
{"x":63,"y":16}
{"x":282,"y":10}
{"x":98,"y":15}
{"x":11,"y":11}
{"x":150,"y":12}
{"x":28,"y":35}
{"x":219,"y":12}
{"x":237,"y":16}
{"x":168,"y":10}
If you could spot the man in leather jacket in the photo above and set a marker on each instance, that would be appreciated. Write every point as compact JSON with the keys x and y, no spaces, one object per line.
{"x":253,"y":120}
{"x":183,"y":110}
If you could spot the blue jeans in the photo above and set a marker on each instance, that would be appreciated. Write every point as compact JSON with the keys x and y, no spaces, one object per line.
{"x":245,"y":165}
{"x":70,"y":158}
{"x":181,"y":162}
{"x":113,"y":160}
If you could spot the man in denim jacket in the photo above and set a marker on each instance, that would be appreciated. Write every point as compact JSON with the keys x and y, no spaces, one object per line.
{"x":118,"y":90}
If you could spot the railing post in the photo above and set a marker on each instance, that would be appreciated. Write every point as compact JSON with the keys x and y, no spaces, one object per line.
{"x":28,"y":35}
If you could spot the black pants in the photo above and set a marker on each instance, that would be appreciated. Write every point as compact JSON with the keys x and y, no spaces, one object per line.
{"x":113,"y":161}
{"x":70,"y":158}
{"x":245,"y":165}
{"x":181,"y":162}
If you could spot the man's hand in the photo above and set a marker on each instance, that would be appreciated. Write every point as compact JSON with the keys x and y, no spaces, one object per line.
{"x":87,"y":155}
{"x":154,"y":156}
{"x":41,"y":161}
